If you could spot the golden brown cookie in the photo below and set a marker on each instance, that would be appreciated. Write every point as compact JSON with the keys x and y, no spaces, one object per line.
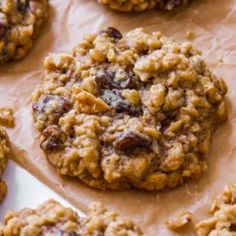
{"x":132,"y":111}
{"x":52,"y":219}
{"x":20,"y":23}
{"x":4,"y":152}
{"x":6,"y":119}
{"x":142,"y":5}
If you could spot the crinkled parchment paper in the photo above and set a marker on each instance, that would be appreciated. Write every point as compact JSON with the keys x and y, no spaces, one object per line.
{"x":213,"y":22}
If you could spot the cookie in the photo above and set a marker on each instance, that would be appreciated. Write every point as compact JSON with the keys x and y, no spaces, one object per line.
{"x":223,"y":215}
{"x":4,"y":152}
{"x":142,"y":5}
{"x":51,"y":219}
{"x":20,"y":23}
{"x":132,"y":111}
{"x":6,"y":119}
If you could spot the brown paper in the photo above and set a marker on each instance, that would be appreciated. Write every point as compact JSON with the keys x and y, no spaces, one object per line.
{"x":214,"y":24}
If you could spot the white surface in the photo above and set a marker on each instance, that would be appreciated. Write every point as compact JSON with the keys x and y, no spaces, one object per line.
{"x":24,"y":190}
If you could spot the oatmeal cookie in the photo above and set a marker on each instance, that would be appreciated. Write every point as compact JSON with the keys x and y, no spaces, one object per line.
{"x":142,"y":5}
{"x":223,"y":215}
{"x":137,"y":110}
{"x":51,"y":219}
{"x":20,"y":22}
{"x":4,"y":152}
{"x":6,"y":119}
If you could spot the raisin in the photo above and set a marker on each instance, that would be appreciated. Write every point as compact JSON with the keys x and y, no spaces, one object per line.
{"x":113,"y":33}
{"x":22,"y":5}
{"x":232,"y":228}
{"x":131,"y":139}
{"x":53,"y":138}
{"x":3,"y":30}
{"x":106,"y":80}
{"x":56,"y":230}
{"x":54,"y":106}
{"x":114,"y":99}
{"x":166,"y":120}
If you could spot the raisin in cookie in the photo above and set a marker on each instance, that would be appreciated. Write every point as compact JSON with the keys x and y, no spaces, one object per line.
{"x":223,"y":215}
{"x":142,"y":5}
{"x":127,"y":111}
{"x":51,"y":219}
{"x":20,"y":22}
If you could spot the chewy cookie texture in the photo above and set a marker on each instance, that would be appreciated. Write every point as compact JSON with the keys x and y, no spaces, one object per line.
{"x":132,"y":111}
{"x":20,"y":22}
{"x":223,"y":215}
{"x":4,"y":152}
{"x":142,"y":5}
{"x":52,"y":219}
{"x":6,"y":119}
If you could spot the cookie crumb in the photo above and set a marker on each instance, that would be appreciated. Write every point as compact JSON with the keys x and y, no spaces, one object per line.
{"x":180,"y":220}
{"x":7,"y":117}
{"x":190,"y":35}
{"x":221,"y":60}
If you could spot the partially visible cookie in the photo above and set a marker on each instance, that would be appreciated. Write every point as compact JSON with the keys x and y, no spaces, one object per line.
{"x":4,"y":152}
{"x":20,"y":22}
{"x":132,"y":111}
{"x":3,"y":190}
{"x":6,"y":119}
{"x":223,"y":215}
{"x":142,"y":5}
{"x":51,"y":219}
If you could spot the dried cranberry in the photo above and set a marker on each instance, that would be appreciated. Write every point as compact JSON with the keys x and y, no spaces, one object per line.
{"x":131,"y":139}
{"x":53,"y":138}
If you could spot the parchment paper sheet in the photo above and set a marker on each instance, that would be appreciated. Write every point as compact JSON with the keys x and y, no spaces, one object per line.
{"x":213,"y":22}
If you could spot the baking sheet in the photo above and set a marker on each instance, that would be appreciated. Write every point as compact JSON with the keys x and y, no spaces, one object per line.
{"x":213,"y":22}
